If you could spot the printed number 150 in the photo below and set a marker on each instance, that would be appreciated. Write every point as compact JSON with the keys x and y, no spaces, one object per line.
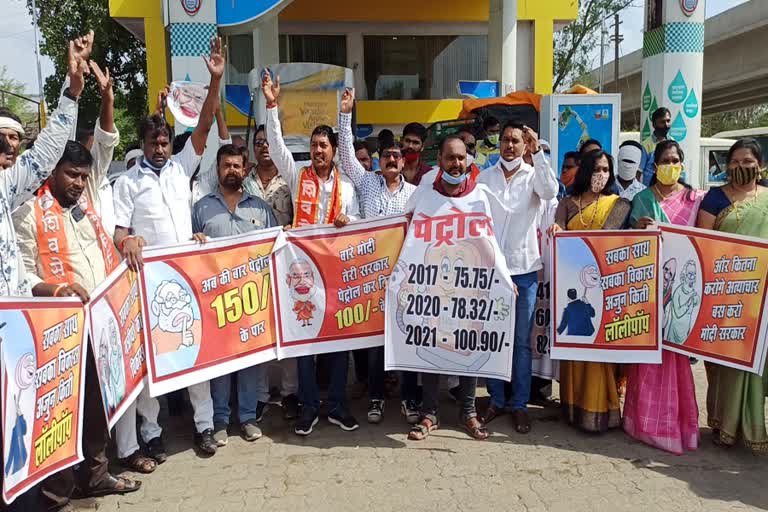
{"x":231,"y":305}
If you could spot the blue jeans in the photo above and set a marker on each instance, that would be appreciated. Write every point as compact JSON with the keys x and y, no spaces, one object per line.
{"x":252,"y":388}
{"x":527,"y":285}
{"x":337,"y":390}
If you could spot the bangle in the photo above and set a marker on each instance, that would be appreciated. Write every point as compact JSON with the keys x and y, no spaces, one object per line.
{"x":121,"y":245}
{"x":59,"y":288}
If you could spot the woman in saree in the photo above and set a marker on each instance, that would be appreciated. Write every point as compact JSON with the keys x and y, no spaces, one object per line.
{"x":736,"y":398}
{"x":660,"y":405}
{"x":589,"y":391}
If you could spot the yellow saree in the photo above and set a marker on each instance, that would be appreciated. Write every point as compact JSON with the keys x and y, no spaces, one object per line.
{"x":589,"y":394}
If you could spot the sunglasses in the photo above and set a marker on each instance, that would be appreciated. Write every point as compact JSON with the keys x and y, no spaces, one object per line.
{"x":392,"y":154}
{"x":260,"y":142}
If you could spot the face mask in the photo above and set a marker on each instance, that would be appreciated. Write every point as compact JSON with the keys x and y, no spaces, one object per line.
{"x":598,"y":182}
{"x":668,"y":174}
{"x":743,"y":175}
{"x":493,"y":139}
{"x":629,"y":162}
{"x":411,"y":156}
{"x":511,"y":165}
{"x":454,"y":180}
{"x":661,"y":133}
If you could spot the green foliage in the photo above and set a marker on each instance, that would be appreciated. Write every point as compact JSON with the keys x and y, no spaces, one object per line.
{"x":753,"y":117}
{"x":114,"y":48}
{"x":575,"y":43}
{"x":25,"y":109}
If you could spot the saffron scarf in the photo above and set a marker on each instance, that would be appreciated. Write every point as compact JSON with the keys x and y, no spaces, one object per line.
{"x":52,"y":245}
{"x":308,"y":199}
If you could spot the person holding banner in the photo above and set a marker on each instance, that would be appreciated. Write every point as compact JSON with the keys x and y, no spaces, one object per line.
{"x":229,"y":211}
{"x":322,"y":195}
{"x":589,"y":391}
{"x":736,"y":398}
{"x":660,"y":407}
{"x":522,"y":188}
{"x":152,"y":206}
{"x":67,"y":252}
{"x":382,"y":194}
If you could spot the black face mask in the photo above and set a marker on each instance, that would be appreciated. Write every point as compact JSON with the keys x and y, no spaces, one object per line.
{"x":743,"y":175}
{"x":661,"y":133}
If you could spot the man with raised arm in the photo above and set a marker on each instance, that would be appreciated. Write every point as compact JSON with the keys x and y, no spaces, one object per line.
{"x":322,"y":195}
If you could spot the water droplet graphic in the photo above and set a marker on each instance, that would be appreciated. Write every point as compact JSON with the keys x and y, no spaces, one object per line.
{"x":678,"y":131}
{"x":647,"y":97}
{"x":691,"y":106}
{"x":646,"y":131}
{"x":654,"y":105}
{"x":678,"y":89}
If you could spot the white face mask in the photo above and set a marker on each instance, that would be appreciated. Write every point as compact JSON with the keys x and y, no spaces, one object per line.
{"x":628,"y":162}
{"x":511,"y":165}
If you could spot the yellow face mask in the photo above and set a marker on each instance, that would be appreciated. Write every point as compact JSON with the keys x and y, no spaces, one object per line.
{"x":668,"y":174}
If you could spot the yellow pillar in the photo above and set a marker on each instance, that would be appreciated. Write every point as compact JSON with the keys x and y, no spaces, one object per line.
{"x":154,"y":39}
{"x":543,"y":56}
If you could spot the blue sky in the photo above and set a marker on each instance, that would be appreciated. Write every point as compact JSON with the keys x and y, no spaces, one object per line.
{"x":18,"y":54}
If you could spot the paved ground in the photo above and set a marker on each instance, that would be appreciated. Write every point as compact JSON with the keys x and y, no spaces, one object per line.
{"x":377,"y":468}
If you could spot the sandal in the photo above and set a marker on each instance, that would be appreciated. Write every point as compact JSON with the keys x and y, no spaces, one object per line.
{"x":139,"y":463}
{"x":475,"y":429}
{"x":521,"y":421}
{"x":421,"y":430}
{"x":114,"y":485}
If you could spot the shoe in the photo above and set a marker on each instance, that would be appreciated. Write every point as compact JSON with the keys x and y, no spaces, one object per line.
{"x":156,"y":450}
{"x":375,"y":411}
{"x":261,"y":408}
{"x":410,"y":410}
{"x":454,"y":392}
{"x":306,"y":423}
{"x":250,"y":430}
{"x":290,"y":407}
{"x":220,"y":434}
{"x":491,"y":413}
{"x":205,"y":442}
{"x":344,"y":420}
{"x":521,"y":421}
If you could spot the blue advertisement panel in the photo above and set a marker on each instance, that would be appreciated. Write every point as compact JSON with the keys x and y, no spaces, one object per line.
{"x":579,"y":123}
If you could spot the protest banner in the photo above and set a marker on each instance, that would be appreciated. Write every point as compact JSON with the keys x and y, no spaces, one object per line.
{"x":714,"y":296}
{"x":207,"y":309}
{"x":450,"y":300}
{"x":542,"y":364}
{"x":606,"y":302}
{"x":43,"y":374}
{"x":114,"y":315}
{"x":330,"y":283}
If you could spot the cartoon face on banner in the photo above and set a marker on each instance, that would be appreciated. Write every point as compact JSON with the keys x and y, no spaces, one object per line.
{"x":174,"y":317}
{"x":581,"y":262}
{"x":307,"y":296}
{"x":186,"y":101}
{"x":109,"y":355}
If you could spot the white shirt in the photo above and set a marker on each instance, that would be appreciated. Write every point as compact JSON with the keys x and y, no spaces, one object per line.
{"x":521,"y":197}
{"x":631,"y":191}
{"x":157,"y":208}
{"x":286,"y":165}
{"x":98,"y":186}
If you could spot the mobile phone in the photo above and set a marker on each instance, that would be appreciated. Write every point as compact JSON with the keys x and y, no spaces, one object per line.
{"x":78,"y":213}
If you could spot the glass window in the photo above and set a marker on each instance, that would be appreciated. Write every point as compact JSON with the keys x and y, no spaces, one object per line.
{"x":240,"y":58}
{"x":422,"y":67}
{"x":320,"y":49}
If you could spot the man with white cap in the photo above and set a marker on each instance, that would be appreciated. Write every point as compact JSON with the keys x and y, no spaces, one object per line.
{"x":131,"y":156}
{"x":12,"y":131}
{"x":628,"y":168}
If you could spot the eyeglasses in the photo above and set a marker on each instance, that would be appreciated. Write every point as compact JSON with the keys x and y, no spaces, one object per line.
{"x":260,"y":142}
{"x":391,"y":154}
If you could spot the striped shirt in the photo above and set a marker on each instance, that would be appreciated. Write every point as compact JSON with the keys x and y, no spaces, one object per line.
{"x":376,"y":200}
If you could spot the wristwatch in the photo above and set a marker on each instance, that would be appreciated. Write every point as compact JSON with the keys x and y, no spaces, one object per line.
{"x":70,"y":95}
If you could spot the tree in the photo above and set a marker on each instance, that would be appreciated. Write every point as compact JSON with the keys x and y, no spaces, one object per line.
{"x":24,"y":108}
{"x":752,"y":117}
{"x":115,"y":48}
{"x":575,"y":43}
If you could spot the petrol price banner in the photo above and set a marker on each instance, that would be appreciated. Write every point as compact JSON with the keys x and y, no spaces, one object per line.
{"x":207,"y":309}
{"x":606,"y":301}
{"x":542,"y":364}
{"x":117,"y":341}
{"x":43,"y":374}
{"x":714,"y":296}
{"x":450,"y":299}
{"x":330,"y":285}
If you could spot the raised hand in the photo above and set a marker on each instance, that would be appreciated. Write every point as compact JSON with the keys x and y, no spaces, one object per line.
{"x":216,"y":61}
{"x":347,"y":100}
{"x":103,"y":79}
{"x":531,"y":140}
{"x":162,"y":97}
{"x":270,"y":89}
{"x":77,"y":62}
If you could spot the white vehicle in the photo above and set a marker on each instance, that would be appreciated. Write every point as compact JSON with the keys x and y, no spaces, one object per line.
{"x":759,"y":134}
{"x":713,"y":153}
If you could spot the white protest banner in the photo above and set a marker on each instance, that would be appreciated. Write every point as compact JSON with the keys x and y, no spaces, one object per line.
{"x":542,"y":364}
{"x":450,"y":298}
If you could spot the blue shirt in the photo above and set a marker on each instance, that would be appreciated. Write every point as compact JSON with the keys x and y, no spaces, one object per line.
{"x":211,"y":216}
{"x":577,"y":319}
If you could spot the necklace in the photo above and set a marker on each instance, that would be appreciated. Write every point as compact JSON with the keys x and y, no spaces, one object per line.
{"x":745,"y":202}
{"x":662,"y":195}
{"x":594,"y":214}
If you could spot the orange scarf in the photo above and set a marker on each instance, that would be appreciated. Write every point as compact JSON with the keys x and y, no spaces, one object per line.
{"x":308,"y":199}
{"x":52,"y":243}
